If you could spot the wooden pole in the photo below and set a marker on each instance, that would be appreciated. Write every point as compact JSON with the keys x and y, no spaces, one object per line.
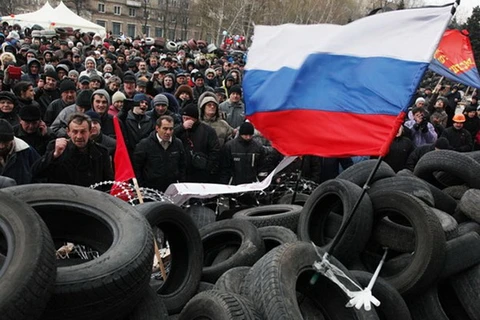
{"x":438,"y":84}
{"x":157,"y":251}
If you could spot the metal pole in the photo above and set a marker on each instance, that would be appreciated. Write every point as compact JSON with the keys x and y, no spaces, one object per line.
{"x":298,"y":180}
{"x":345,"y":225}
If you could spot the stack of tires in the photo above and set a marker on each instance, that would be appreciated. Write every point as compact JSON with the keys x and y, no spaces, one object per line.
{"x":36,"y":220}
{"x":259,"y":263}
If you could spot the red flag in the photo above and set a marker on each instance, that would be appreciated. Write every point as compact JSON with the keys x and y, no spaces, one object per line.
{"x":454,"y":59}
{"x":121,"y":161}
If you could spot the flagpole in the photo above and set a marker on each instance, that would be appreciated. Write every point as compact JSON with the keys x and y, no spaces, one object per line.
{"x":298,"y":180}
{"x":345,"y":225}
{"x":157,"y":251}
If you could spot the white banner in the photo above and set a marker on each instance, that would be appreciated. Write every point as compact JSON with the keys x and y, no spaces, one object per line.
{"x":181,"y":192}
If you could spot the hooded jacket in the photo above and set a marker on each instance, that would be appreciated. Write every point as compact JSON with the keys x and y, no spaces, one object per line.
{"x":19,"y":162}
{"x":106,"y":120}
{"x":221,"y":127}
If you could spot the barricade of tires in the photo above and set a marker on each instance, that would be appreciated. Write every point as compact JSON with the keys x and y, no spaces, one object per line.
{"x":428,"y":219}
{"x":258,"y":264}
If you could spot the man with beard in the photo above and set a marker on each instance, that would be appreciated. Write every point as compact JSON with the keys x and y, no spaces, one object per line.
{"x":136,"y":125}
{"x":47,"y":91}
{"x":77,"y":160}
{"x":33,"y":130}
{"x":68,"y":92}
{"x":16,"y":156}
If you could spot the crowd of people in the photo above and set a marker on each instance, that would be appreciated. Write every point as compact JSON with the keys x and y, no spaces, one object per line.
{"x":181,"y":115}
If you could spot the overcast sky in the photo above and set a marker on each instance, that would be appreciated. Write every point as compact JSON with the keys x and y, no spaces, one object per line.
{"x":464,"y":10}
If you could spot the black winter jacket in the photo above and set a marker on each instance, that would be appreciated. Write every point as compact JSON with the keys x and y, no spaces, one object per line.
{"x":201,"y":141}
{"x":460,"y":140}
{"x":241,"y":160}
{"x":156,"y":167}
{"x":73,"y":166}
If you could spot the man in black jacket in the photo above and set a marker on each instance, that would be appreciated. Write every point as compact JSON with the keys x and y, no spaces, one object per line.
{"x":242,"y":157}
{"x":458,"y":137}
{"x":201,"y":145}
{"x":78,"y":160}
{"x":160,"y":160}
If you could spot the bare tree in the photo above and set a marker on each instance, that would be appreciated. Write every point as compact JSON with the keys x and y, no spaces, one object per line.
{"x":81,"y":6}
{"x":9,"y":7}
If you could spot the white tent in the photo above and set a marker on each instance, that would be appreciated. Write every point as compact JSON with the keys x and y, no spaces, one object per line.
{"x":64,"y":17}
{"x":41,"y":17}
{"x":50,"y":18}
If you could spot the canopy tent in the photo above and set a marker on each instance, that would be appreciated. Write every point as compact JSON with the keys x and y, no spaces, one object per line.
{"x":49,"y":18}
{"x":41,"y":17}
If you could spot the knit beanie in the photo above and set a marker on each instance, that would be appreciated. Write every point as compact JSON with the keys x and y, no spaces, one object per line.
{"x":6,"y":131}
{"x":67,"y":85}
{"x":190,"y":110}
{"x":236,"y":88}
{"x":30,"y":113}
{"x":160,"y":99}
{"x":442,"y":144}
{"x":73,"y":73}
{"x":140,"y":97}
{"x":84,"y":99}
{"x":103,"y":93}
{"x":246,"y":129}
{"x":93,"y":115}
{"x":118,"y":96}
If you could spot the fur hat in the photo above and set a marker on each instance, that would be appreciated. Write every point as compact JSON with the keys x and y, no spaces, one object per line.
{"x":184,"y":89}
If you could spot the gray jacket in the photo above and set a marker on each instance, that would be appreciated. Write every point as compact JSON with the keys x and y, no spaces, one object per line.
{"x":235,"y":112}
{"x":59,"y":125}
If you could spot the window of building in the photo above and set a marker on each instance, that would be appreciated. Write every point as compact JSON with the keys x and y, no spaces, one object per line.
{"x":101,"y":23}
{"x":117,"y":10}
{"x":146,"y":30}
{"x":173,"y":19}
{"x":158,"y":32}
{"x":171,"y":34}
{"x":116,"y":28}
{"x":101,"y":7}
{"x":131,"y":30}
{"x":132,"y":12}
{"x":161,"y":17}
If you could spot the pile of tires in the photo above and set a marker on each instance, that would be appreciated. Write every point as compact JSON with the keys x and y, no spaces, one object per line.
{"x":35,"y":283}
{"x":259,"y":262}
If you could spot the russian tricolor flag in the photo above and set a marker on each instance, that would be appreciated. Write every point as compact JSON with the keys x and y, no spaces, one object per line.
{"x":333,"y":90}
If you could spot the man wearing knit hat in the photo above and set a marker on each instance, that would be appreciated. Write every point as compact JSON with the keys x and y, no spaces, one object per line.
{"x":32,"y":129}
{"x":242,"y":157}
{"x":47,"y":91}
{"x":200,"y":87}
{"x":77,"y":160}
{"x":16,"y":156}
{"x":201,"y":145}
{"x":117,"y":103}
{"x":136,"y":125}
{"x":100,"y":104}
{"x":234,"y":107}
{"x":160,"y":108}
{"x":68,"y":92}
{"x":82,"y":104}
